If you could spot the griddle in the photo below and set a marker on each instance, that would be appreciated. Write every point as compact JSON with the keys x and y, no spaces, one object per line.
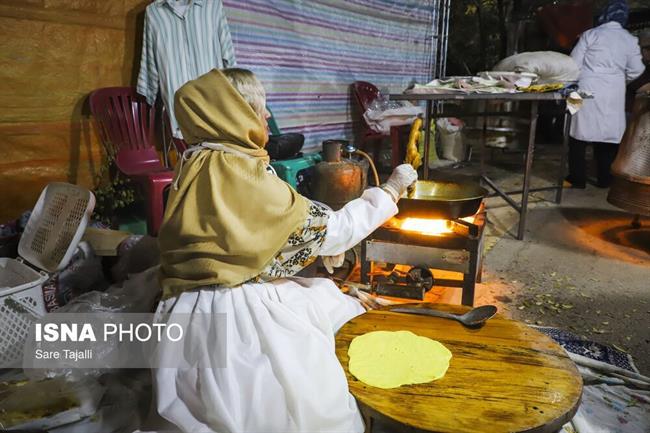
{"x":442,"y":200}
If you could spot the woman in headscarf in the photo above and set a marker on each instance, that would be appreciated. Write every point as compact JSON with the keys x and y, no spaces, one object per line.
{"x":608,"y":56}
{"x":233,"y":236}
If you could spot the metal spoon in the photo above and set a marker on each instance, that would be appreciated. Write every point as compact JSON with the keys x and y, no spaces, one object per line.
{"x":473,"y":318}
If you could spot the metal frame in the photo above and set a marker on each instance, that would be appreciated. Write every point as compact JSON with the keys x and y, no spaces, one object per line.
{"x":439,"y":37}
{"x":383,"y":240}
{"x":445,"y":10}
{"x":533,"y":98}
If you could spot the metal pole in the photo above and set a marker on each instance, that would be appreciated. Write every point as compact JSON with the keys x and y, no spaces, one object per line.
{"x":441,"y":37}
{"x":483,"y":141}
{"x":365,"y":265}
{"x":440,"y":21}
{"x":504,"y":195}
{"x":469,"y":279}
{"x":563,"y":157}
{"x":527,"y":170}
{"x":445,"y":38}
{"x":435,"y":38}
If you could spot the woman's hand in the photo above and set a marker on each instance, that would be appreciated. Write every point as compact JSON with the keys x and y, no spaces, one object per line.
{"x":402,"y":177}
{"x":331,"y":262}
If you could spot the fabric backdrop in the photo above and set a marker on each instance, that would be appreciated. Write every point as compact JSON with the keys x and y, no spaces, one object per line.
{"x":307,"y":53}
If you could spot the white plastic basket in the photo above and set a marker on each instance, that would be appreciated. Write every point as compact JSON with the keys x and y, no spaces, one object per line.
{"x":21,"y":298}
{"x":56,"y":226}
{"x":51,"y":235}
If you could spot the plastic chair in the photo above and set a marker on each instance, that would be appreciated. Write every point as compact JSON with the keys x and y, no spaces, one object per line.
{"x":364,"y":93}
{"x":126,"y":127}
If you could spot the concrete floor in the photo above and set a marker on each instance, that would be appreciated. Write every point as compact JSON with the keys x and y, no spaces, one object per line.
{"x":581,"y":266}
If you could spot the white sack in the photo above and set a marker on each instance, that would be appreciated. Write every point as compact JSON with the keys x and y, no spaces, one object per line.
{"x":549,"y":65}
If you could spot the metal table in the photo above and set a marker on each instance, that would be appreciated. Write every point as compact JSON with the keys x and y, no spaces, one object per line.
{"x":534,"y":99}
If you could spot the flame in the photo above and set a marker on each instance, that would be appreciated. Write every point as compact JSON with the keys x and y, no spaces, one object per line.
{"x":426,"y":226}
{"x":430,"y":227}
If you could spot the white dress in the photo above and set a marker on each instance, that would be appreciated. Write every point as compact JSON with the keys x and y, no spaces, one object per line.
{"x":607,"y":56}
{"x":281,"y":373}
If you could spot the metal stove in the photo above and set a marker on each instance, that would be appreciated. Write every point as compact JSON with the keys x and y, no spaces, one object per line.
{"x":458,"y":247}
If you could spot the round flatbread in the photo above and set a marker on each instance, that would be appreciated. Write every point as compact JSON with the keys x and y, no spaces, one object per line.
{"x":385,"y":359}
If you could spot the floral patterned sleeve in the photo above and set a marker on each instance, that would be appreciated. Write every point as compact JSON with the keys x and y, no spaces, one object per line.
{"x":301,"y":249}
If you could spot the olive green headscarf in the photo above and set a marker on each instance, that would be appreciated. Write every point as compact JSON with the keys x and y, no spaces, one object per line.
{"x":228,"y":216}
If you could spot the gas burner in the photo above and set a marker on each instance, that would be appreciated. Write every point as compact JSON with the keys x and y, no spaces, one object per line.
{"x":423,"y":246}
{"x":394,"y":282}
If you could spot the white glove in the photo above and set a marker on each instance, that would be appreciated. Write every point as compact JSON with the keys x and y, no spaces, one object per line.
{"x":402,"y":177}
{"x":332,"y":262}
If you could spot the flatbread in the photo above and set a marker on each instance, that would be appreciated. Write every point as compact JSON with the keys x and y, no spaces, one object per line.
{"x":386,"y":359}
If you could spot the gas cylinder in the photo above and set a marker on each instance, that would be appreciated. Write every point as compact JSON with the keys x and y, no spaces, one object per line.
{"x":630,"y":188}
{"x":337,"y":181}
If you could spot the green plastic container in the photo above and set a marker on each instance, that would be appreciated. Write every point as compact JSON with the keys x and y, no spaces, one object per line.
{"x":288,"y":169}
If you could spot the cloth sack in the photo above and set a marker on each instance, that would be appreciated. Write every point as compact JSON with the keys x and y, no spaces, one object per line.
{"x":452,"y":145}
{"x":548,"y":65}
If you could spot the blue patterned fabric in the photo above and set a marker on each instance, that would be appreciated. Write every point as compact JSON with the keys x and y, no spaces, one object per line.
{"x":590,"y":349}
{"x":616,"y":10}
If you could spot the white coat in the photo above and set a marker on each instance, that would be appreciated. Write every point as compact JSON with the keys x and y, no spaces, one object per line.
{"x":607,"y":56}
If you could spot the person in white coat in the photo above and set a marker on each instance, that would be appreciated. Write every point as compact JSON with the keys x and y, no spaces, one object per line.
{"x":232,"y":239}
{"x":608,"y":57}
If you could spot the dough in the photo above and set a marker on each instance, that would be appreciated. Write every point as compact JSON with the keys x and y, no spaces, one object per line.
{"x":386,"y":359}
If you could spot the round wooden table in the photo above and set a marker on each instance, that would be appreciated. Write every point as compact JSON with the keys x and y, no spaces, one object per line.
{"x":503,"y":377}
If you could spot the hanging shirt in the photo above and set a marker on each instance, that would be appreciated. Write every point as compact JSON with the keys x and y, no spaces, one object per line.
{"x":182,"y":41}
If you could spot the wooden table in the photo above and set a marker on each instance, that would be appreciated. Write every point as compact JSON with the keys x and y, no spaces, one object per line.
{"x":504,"y":377}
{"x":533,"y":99}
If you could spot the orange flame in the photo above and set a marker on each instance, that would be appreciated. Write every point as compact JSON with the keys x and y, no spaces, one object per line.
{"x":426,"y":226}
{"x":430,"y":227}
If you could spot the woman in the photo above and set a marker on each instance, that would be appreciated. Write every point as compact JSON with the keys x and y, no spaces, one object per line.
{"x":232,"y":237}
{"x":608,"y":56}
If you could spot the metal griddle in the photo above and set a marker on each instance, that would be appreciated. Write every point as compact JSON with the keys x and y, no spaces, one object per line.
{"x":442,"y":200}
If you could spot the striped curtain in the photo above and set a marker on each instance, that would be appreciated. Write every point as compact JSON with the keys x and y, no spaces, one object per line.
{"x":308,"y":52}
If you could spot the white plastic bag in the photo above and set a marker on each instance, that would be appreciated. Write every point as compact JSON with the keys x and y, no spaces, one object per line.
{"x":382,"y":114}
{"x":82,"y":274}
{"x":452,"y":145}
{"x":138,"y":294}
{"x":549,"y":65}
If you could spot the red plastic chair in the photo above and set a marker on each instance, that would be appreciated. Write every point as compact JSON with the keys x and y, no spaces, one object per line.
{"x":126,"y":127}
{"x":364,"y":93}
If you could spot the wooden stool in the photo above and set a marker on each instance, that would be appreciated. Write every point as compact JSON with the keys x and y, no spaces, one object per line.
{"x":503,"y":377}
